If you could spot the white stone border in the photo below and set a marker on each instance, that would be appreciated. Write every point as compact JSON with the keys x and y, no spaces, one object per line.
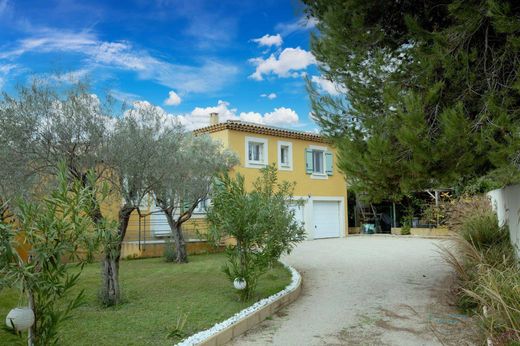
{"x":204,"y":335}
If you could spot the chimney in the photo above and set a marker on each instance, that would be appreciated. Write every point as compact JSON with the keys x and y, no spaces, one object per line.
{"x":213,"y":118}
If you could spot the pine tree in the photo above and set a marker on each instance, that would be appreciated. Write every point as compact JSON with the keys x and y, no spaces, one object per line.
{"x":432,"y":91}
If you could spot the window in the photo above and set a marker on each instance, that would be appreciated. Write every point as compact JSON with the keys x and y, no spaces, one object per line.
{"x":256,"y":152}
{"x":285,"y":156}
{"x":317,"y":160}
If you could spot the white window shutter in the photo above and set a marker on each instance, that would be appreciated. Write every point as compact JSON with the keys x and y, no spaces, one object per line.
{"x":309,"y":165}
{"x":329,"y":162}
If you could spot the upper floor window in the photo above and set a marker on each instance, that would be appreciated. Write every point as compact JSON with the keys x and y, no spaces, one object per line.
{"x":318,"y":162}
{"x":285,"y":156}
{"x":256,"y":152}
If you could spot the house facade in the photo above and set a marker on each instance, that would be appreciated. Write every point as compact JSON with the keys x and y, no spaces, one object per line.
{"x":301,"y":157}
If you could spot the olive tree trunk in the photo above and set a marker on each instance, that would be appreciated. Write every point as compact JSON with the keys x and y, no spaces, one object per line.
{"x":181,"y":254}
{"x":111,"y":291}
{"x":111,"y":294}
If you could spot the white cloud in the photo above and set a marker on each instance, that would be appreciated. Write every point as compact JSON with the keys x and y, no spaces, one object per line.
{"x":269,"y":40}
{"x":252,"y":117}
{"x":173,"y":99}
{"x":281,"y":116}
{"x":209,"y":76}
{"x":270,"y":96}
{"x":51,"y":41}
{"x":301,"y":24}
{"x":199,"y":116}
{"x":327,"y":86}
{"x":285,"y":65}
{"x":124,"y":96}
{"x":67,"y":77}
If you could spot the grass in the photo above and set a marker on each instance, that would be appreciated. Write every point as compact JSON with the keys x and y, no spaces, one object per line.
{"x":489,"y":273}
{"x":161,"y":299}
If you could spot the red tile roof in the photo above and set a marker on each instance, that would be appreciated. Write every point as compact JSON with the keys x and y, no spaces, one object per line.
{"x":243,"y":126}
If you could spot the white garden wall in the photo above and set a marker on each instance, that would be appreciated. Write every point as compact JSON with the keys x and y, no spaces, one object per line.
{"x":506,"y":203}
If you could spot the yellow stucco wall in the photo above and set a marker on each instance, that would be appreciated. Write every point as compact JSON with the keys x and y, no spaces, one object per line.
{"x":333,"y":186}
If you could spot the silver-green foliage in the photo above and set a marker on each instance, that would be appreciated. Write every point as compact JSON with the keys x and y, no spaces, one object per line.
{"x":42,"y":125}
{"x":136,"y":154}
{"x":184,"y":178}
{"x":260,"y":221}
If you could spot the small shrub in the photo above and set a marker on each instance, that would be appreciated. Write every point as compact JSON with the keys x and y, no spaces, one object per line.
{"x":465,"y":208}
{"x":483,"y":231}
{"x":169,"y":251}
{"x":260,"y":221}
{"x":406,"y":229}
{"x":407,"y":219}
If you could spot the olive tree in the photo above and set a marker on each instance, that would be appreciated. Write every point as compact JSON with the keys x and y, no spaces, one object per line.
{"x":260,"y":221}
{"x":188,"y":168}
{"x":43,"y":125}
{"x":135,"y":160}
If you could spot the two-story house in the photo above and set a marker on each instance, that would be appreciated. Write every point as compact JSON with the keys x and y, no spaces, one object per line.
{"x":301,"y":157}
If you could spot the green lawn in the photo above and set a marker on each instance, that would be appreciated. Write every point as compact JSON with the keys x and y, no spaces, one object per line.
{"x":156,"y":295}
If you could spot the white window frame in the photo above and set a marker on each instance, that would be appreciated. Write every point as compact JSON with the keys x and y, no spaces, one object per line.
{"x":285,"y":166}
{"x":317,"y":175}
{"x":256,"y":164}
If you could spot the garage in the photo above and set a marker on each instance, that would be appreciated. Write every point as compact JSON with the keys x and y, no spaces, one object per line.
{"x":326,"y":219}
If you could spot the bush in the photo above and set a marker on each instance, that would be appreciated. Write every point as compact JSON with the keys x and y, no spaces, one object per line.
{"x":169,"y":251}
{"x":57,"y":229}
{"x":489,"y":273}
{"x":260,"y":222}
{"x":407,"y":220}
{"x":483,"y":231}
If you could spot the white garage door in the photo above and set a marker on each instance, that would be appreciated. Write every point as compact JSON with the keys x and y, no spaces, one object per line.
{"x":326,"y":219}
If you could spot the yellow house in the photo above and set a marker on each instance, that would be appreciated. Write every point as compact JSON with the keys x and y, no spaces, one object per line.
{"x":301,"y":157}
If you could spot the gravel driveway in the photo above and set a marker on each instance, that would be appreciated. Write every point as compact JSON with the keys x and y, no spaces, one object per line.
{"x":368,"y":290}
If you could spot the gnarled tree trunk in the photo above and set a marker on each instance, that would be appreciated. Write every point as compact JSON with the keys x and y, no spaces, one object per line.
{"x":181,"y":255}
{"x":111,"y":291}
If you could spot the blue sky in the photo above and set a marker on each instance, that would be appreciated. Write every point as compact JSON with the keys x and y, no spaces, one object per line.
{"x":244,"y":59}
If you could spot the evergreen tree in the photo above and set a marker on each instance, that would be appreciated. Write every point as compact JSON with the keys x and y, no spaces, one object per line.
{"x":432,"y":91}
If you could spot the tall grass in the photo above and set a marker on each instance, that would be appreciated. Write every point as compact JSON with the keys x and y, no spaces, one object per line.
{"x":488,"y":272}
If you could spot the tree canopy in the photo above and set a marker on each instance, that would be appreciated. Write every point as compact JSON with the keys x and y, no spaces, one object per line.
{"x":429,"y":91}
